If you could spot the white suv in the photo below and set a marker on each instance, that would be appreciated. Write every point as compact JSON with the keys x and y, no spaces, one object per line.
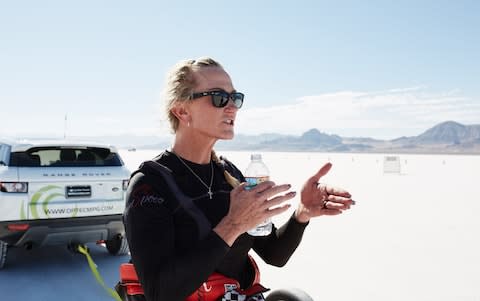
{"x":61,"y":193}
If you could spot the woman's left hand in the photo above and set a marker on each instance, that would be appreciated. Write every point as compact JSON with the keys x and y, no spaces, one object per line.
{"x":321,"y":199}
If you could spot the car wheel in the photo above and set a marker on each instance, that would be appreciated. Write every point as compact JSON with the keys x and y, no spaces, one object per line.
{"x":291,"y":294}
{"x":117,"y":245}
{"x":3,"y":253}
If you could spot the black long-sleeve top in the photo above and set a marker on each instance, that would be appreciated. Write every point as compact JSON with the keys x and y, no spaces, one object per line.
{"x":170,"y":257}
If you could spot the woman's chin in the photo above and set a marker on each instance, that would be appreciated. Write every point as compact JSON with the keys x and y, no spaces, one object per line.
{"x":227,"y":135}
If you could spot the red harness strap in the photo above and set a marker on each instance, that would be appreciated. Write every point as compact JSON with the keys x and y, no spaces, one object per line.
{"x":215,"y":287}
{"x":129,"y":279}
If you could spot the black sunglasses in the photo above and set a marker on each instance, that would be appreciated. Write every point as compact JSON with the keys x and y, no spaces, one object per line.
{"x":221,"y":98}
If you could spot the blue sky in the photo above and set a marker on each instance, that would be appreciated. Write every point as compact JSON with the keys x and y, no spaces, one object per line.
{"x":381,"y":69}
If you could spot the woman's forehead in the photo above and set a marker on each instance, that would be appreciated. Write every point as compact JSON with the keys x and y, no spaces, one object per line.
{"x":212,"y":77}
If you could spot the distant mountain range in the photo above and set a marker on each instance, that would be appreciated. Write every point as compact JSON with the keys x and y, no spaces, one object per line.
{"x":447,"y":137}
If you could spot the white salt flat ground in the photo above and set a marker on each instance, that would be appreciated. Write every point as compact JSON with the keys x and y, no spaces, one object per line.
{"x":411,"y":236}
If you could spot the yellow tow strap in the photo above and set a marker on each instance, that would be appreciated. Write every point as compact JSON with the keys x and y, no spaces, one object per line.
{"x":96,"y":274}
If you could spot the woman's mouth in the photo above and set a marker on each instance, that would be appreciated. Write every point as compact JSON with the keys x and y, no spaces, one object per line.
{"x":229,"y":122}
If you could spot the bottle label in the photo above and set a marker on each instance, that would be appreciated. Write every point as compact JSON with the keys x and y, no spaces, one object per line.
{"x":254,"y":181}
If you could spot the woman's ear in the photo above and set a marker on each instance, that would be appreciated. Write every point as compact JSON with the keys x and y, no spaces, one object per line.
{"x":181,"y":112}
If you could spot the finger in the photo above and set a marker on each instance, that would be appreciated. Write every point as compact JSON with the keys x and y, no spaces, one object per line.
{"x":238,"y":189}
{"x":322,"y":188}
{"x":324,"y":211}
{"x":331,"y":212}
{"x":335,"y":205}
{"x":279,"y":199}
{"x":261,"y":186}
{"x":271,"y":191}
{"x":337,"y":191}
{"x":323,"y":171}
{"x":340,"y":199}
{"x":277,"y":210}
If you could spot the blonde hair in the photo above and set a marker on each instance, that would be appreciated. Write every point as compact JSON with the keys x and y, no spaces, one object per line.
{"x":234,"y":182}
{"x":180,"y":83}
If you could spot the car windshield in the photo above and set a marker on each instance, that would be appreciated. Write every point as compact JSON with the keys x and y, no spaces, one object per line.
{"x":65,"y":156}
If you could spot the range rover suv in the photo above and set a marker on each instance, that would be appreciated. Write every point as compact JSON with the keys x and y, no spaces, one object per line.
{"x":61,"y":193}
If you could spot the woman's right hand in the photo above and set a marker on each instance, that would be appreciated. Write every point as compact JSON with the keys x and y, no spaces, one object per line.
{"x":248,"y":208}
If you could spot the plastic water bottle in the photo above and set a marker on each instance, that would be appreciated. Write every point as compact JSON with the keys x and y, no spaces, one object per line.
{"x":256,"y":173}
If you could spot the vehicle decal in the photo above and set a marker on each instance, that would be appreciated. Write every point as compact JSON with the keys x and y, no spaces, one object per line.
{"x":23,"y":215}
{"x":85,"y":210}
{"x":47,"y":199}
{"x":75,"y":212}
{"x":44,"y":196}
{"x":36,"y":196}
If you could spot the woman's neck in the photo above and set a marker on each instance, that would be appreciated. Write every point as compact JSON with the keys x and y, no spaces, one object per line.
{"x":193,"y":149}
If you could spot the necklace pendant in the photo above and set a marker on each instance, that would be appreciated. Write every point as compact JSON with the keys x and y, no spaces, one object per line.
{"x":210,"y":193}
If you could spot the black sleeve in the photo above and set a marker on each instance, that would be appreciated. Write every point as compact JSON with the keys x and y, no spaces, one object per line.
{"x":277,"y":248}
{"x":165,"y":272}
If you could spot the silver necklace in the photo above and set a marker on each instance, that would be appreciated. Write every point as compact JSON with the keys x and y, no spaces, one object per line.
{"x":209,"y":187}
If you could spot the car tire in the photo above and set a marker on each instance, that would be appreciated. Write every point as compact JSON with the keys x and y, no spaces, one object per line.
{"x":291,"y":294}
{"x":3,"y":253}
{"x":117,"y":245}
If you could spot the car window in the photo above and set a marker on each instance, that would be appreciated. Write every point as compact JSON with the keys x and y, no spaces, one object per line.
{"x":3,"y":154}
{"x":63,"y":157}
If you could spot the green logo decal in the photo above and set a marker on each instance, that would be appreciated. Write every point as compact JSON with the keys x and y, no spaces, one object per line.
{"x":75,"y":211}
{"x":23,"y":215}
{"x":47,"y":199}
{"x":37,"y":195}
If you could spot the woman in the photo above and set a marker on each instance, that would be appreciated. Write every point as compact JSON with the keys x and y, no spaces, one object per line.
{"x":173,"y":252}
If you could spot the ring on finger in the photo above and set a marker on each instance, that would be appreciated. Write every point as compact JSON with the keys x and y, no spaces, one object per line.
{"x":325,"y":204}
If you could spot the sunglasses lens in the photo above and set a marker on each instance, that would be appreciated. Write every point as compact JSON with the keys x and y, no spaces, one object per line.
{"x":220,"y":100}
{"x":237,"y":99}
